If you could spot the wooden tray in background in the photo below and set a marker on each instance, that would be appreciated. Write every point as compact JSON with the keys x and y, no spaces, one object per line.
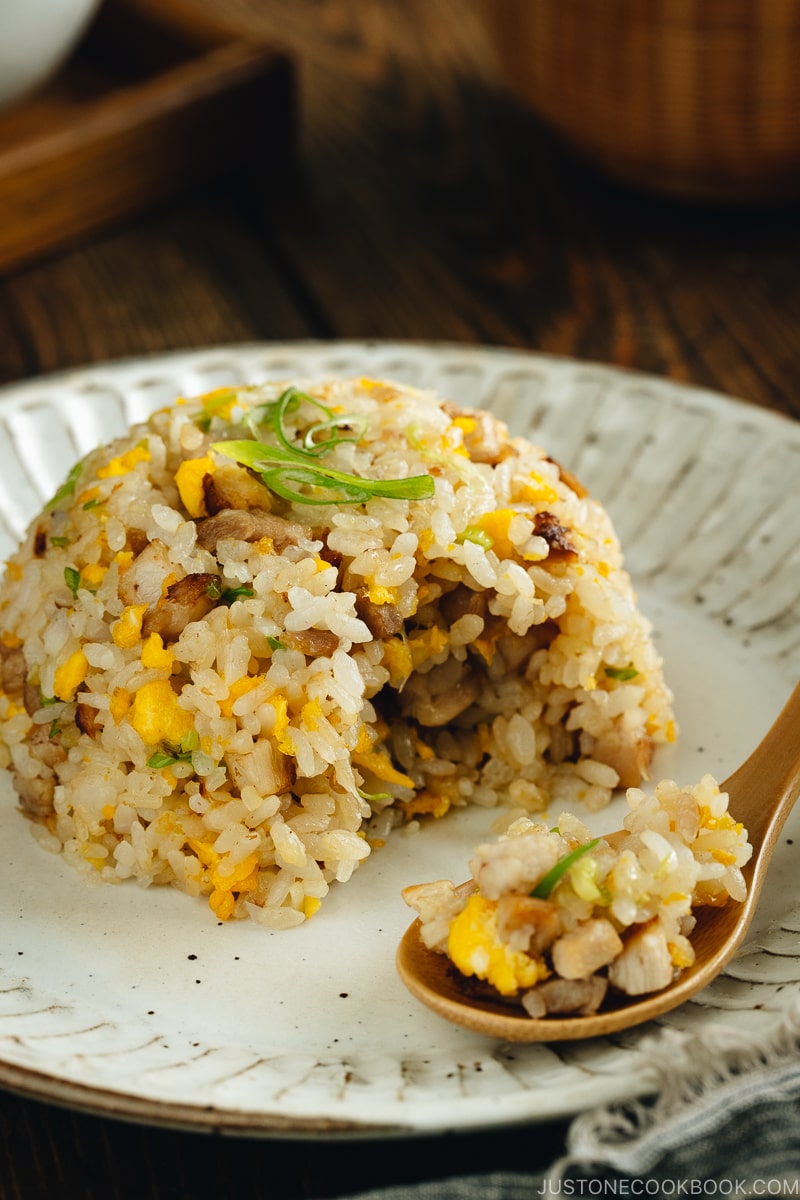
{"x":154,"y":100}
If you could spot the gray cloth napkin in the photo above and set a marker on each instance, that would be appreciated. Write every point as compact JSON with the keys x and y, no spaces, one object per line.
{"x":724,"y":1121}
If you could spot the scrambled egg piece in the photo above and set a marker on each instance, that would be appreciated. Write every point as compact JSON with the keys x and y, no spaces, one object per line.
{"x":124,"y":462}
{"x":280,"y":730}
{"x":376,"y":759}
{"x":311,"y":714}
{"x":535,"y":490}
{"x":427,"y":644}
{"x":70,"y":675}
{"x":120,"y":703}
{"x":156,"y":715}
{"x":397,"y":659}
{"x":92,"y":576}
{"x":434,"y":802}
{"x":476,"y":949}
{"x":154,"y":654}
{"x":229,"y":883}
{"x":378,"y":763}
{"x":127,"y":631}
{"x":237,"y":689}
{"x":381,"y":595}
{"x":189,"y":481}
{"x":219,"y":402}
{"x":465,"y":424}
{"x":496,"y":525}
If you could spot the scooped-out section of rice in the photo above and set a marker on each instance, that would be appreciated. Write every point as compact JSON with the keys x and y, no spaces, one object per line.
{"x":557,"y":918}
{"x":247,"y":640}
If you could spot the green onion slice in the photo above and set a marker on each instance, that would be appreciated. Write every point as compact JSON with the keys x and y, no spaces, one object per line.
{"x":473,"y":534}
{"x":72,"y":579}
{"x":67,"y":488}
{"x":621,"y":673}
{"x":229,"y":595}
{"x":160,"y":759}
{"x":287,"y":468}
{"x":548,"y":881}
{"x":373,"y":795}
{"x":168,"y":755}
{"x":355,"y":421}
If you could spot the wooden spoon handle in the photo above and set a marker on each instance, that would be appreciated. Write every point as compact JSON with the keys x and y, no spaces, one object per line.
{"x":764,"y":788}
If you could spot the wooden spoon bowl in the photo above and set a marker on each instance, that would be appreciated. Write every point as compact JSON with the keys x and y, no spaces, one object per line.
{"x":761,"y":793}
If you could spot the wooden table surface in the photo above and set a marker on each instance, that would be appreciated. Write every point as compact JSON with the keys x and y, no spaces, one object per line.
{"x":422,"y":203}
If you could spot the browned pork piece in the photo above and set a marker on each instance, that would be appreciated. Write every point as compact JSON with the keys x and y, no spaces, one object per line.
{"x":249,"y":525}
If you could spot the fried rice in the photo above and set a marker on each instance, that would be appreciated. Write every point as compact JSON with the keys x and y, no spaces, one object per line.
{"x":266,"y":627}
{"x":556,"y":918}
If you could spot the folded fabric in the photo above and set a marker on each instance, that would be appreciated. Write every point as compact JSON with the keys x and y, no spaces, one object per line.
{"x":724,"y":1120}
{"x":726,"y":1113}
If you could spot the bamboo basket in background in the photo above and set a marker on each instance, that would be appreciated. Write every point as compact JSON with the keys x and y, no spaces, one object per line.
{"x":693,"y":98}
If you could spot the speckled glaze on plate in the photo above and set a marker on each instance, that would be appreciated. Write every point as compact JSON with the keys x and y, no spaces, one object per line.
{"x":137,"y":1004}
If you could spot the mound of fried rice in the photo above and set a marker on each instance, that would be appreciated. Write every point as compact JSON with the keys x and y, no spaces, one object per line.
{"x":208,"y":684}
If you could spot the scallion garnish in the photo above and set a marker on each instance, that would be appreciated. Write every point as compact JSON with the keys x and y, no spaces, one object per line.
{"x":161,"y":759}
{"x":548,"y":881}
{"x":621,"y":673}
{"x":478,"y":536}
{"x":342,"y":427}
{"x":213,"y":403}
{"x":286,"y":467}
{"x":215,"y":591}
{"x":72,"y":579}
{"x":236,"y":593}
{"x":373,"y":795}
{"x":167,"y":756}
{"x":346,"y":421}
{"x":67,"y":488}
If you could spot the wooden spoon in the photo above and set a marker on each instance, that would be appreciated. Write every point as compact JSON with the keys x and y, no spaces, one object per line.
{"x":761,"y":795}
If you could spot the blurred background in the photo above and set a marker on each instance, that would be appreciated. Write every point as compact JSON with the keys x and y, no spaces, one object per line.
{"x":613,"y":180}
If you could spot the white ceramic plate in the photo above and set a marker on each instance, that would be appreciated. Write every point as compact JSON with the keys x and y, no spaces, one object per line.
{"x":138,"y":1004}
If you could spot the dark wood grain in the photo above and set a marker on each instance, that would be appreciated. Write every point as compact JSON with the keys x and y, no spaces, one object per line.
{"x":423,"y":202}
{"x":47,"y":1152}
{"x":146,"y":107}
